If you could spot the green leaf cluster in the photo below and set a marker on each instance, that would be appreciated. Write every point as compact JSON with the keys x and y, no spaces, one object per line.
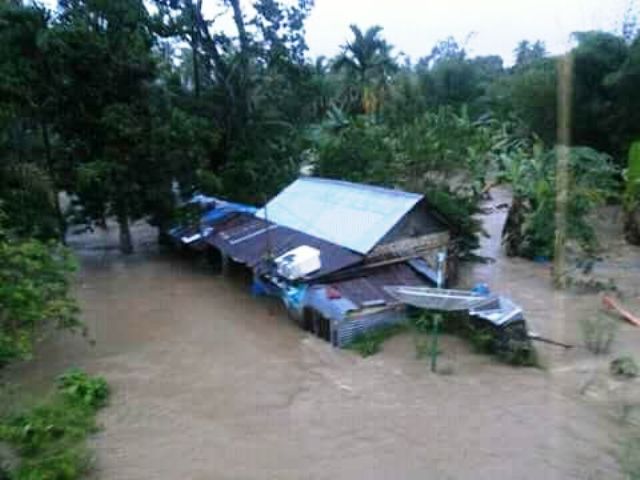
{"x":530,"y":228}
{"x":49,"y":438}
{"x":34,"y":292}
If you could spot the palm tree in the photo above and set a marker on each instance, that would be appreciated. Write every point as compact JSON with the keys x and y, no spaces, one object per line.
{"x":367,"y":60}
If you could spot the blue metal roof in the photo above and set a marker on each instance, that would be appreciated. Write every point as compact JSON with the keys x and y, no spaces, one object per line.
{"x":354,"y":216}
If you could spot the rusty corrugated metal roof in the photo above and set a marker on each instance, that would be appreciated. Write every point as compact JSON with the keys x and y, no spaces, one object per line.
{"x":368,"y":287}
{"x":248,"y":240}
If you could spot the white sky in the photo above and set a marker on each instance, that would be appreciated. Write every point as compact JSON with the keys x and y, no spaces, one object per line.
{"x":414,"y":26}
{"x":495,"y":26}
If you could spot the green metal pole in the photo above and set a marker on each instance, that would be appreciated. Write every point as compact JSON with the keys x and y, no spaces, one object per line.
{"x":434,"y":342}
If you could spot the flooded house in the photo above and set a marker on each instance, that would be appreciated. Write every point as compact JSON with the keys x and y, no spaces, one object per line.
{"x":328,"y":248}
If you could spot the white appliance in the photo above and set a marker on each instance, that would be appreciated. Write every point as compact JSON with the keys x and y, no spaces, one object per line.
{"x":298,"y":262}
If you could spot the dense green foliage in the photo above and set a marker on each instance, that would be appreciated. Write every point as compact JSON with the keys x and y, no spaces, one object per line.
{"x":122,"y":106}
{"x":34,"y":292}
{"x":444,"y":154}
{"x":632,"y":195}
{"x":76,"y":386}
{"x":530,"y":229}
{"x":49,"y":438}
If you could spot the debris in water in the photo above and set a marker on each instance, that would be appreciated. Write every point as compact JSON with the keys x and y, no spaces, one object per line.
{"x":610,"y":304}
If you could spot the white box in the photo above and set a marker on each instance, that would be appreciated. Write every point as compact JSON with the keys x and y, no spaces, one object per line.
{"x":298,"y":262}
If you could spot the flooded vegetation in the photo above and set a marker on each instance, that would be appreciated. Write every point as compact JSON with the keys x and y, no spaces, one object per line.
{"x":197,"y":214}
{"x":209,"y":381}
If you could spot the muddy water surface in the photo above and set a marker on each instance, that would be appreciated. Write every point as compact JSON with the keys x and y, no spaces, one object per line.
{"x":211,"y":383}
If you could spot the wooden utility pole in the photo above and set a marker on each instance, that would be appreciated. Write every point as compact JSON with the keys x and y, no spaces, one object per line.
{"x":565,"y":91}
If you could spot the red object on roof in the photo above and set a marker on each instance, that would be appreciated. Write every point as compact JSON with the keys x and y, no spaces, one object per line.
{"x":332,"y":293}
{"x":369,"y":286}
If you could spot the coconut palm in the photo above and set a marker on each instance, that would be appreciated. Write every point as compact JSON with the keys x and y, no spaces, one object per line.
{"x":367,"y":63}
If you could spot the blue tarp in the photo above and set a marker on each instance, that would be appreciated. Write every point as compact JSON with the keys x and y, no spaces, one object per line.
{"x":214,"y":210}
{"x":222,"y":209}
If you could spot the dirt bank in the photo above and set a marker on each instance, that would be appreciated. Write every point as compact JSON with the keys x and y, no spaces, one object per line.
{"x":210,"y":383}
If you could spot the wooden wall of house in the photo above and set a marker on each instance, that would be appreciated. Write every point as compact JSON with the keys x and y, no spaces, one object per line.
{"x":426,"y":246}
{"x":420,"y":231}
{"x":418,"y":222}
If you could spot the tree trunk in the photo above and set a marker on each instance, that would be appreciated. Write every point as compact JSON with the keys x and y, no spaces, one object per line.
{"x":632,"y":226}
{"x":242,"y":93}
{"x":126,"y":243}
{"x":242,"y":32}
{"x":195,"y":45}
{"x":62,"y":224}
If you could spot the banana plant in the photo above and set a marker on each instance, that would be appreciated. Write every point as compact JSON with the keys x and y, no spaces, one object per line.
{"x":632,"y":195}
{"x":530,"y":228}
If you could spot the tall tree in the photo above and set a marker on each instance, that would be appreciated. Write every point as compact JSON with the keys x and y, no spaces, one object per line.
{"x":106,"y":54}
{"x":258,"y":76}
{"x":527,"y":53}
{"x":367,"y":58}
{"x":28,"y":88}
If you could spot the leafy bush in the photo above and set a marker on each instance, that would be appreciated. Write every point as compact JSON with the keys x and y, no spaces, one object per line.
{"x":34,"y":291}
{"x":358,"y":152}
{"x":77,"y":386}
{"x":518,"y":352}
{"x":49,"y":438}
{"x":624,"y":367}
{"x":508,"y":344}
{"x":459,"y":209}
{"x":598,"y":333}
{"x":530,"y":228}
{"x":444,"y":154}
{"x":482,"y":339}
{"x":632,"y":196}
{"x":370,"y":343}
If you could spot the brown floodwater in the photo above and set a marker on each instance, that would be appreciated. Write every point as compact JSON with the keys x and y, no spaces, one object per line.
{"x":211,"y":383}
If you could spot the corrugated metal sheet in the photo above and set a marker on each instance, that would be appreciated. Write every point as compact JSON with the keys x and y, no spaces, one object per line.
{"x":180,"y":233}
{"x":354,"y":216}
{"x":348,"y":329}
{"x":334,"y":309}
{"x":344,"y":328}
{"x":436,"y":298}
{"x":248,"y":240}
{"x":369,"y":288}
{"x":214,"y":210}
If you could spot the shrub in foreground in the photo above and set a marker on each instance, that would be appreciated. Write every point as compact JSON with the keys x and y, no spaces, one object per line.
{"x":49,"y":438}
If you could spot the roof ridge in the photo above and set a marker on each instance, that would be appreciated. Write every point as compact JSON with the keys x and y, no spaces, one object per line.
{"x":363,"y":186}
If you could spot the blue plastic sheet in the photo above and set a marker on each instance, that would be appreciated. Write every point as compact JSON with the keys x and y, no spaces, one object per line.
{"x":293,"y":296}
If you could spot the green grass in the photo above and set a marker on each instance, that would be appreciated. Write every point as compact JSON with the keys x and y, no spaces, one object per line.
{"x":370,"y":343}
{"x":49,"y":438}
